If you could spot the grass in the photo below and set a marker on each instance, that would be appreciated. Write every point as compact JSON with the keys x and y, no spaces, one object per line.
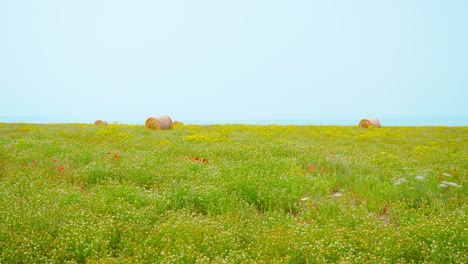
{"x":81,"y":193}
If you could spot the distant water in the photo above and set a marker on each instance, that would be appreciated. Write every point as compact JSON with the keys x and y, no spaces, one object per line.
{"x":452,"y":121}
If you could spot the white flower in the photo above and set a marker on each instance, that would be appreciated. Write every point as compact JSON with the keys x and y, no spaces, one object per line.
{"x":444,"y":184}
{"x":420,"y":178}
{"x":305,"y":199}
{"x":400,"y":181}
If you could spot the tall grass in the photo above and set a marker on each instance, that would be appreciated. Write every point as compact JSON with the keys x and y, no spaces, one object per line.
{"x":232,"y":194}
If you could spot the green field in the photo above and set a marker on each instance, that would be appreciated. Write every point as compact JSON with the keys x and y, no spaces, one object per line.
{"x":78,"y":193}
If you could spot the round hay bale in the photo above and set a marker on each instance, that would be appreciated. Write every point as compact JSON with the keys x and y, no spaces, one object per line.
{"x":100,"y":123}
{"x":177,"y":123}
{"x":159,"y":122}
{"x":369,"y":122}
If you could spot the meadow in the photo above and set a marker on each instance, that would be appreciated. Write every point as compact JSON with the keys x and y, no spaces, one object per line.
{"x":79,"y":193}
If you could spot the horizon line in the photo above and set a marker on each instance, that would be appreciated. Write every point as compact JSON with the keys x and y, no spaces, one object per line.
{"x":385,"y":121}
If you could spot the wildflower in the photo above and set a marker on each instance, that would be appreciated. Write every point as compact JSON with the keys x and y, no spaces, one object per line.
{"x":445,"y":184}
{"x":400,"y":181}
{"x":305,"y":199}
{"x":202,"y":160}
{"x":443,"y":175}
{"x":420,"y":178}
{"x":337,"y":194}
{"x":311,"y":167}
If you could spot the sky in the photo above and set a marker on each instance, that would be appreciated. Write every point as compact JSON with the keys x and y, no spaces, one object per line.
{"x":243,"y":61}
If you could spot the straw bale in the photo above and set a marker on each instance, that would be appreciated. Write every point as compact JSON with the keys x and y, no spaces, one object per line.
{"x":100,"y":123}
{"x":177,"y":123}
{"x":368,"y":122}
{"x":159,"y":122}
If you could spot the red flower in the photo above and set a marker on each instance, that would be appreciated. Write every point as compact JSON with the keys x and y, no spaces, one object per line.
{"x":202,"y":160}
{"x":311,"y":167}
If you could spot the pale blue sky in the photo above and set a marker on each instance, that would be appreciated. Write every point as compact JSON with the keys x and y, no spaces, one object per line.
{"x":233,"y":61}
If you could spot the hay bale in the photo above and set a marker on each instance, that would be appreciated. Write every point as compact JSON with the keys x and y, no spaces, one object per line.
{"x":159,"y":122}
{"x":368,"y":122}
{"x":100,"y":123}
{"x":177,"y":123}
